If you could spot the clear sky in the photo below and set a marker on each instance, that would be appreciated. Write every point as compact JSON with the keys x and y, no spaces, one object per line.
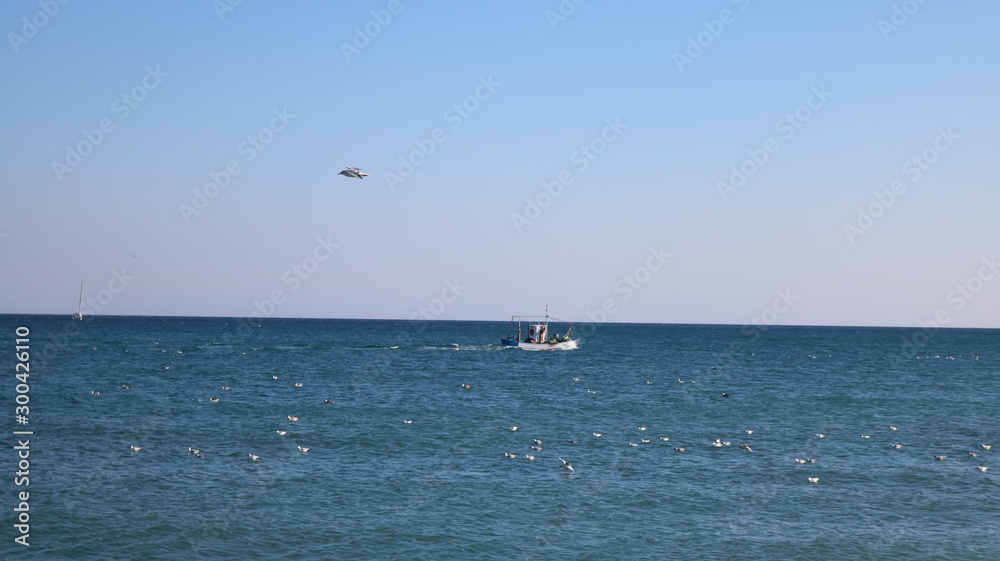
{"x":824,"y":163}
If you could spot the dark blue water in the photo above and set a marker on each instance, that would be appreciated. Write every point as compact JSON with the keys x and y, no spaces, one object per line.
{"x":373,"y":486}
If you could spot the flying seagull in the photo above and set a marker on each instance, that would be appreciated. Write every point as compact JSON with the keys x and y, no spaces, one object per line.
{"x":353,"y":172}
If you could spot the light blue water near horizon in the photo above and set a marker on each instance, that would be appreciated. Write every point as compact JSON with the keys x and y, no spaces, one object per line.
{"x":374,"y":486}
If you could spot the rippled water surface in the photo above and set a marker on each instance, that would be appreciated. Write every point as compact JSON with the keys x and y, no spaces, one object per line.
{"x":406,"y":463}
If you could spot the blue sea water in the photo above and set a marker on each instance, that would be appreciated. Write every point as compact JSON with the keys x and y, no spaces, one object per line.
{"x":406,"y":463}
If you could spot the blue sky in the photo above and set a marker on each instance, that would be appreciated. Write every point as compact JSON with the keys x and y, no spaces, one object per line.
{"x":712,"y":162}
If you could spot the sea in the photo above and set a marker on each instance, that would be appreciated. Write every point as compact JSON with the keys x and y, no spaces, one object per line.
{"x":420,"y":436}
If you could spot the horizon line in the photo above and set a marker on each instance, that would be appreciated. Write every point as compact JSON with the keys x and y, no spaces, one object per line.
{"x":255,"y":318}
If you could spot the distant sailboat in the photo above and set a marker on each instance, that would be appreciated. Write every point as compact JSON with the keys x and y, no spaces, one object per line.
{"x":79,"y":305}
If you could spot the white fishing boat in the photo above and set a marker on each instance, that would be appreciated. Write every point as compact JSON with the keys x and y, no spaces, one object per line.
{"x":538,"y":336}
{"x":79,"y":305}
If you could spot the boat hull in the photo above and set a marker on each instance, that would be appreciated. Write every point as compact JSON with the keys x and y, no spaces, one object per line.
{"x":561,"y":346}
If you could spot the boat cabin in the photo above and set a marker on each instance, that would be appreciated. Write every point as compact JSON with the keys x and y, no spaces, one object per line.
{"x":537,"y":333}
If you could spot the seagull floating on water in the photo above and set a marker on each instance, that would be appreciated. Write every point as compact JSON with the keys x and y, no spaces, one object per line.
{"x":536,"y":448}
{"x":940,"y":458}
{"x":253,"y":457}
{"x":514,"y":428}
{"x":135,"y":448}
{"x":353,"y":172}
{"x":748,"y":431}
{"x":897,"y":446}
{"x":664,"y":438}
{"x":679,"y":449}
{"x":813,"y":480}
{"x":193,"y":450}
{"x":303,"y":449}
{"x":820,"y":435}
{"x":986,"y":446}
{"x":510,"y":455}
{"x":536,"y":441}
{"x":529,"y":458}
{"x":893,"y":428}
{"x":290,"y":418}
{"x":982,"y":468}
{"x":281,"y":432}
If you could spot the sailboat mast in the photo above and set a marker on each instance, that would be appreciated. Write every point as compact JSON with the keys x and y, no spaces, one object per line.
{"x":79,"y":304}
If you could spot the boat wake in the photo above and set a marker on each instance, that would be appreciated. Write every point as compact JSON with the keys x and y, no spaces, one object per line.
{"x":459,"y":347}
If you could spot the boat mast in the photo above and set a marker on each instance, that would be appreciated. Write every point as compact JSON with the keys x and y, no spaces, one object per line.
{"x":546,"y":323}
{"x":79,"y":304}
